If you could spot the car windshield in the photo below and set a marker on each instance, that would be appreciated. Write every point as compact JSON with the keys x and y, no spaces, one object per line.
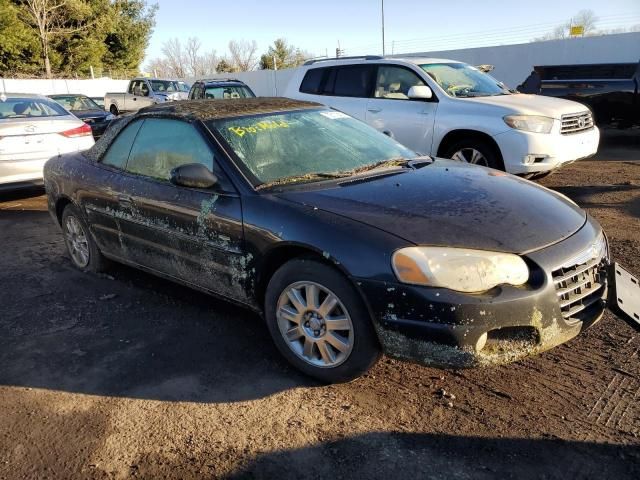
{"x":228,"y":92}
{"x":160,"y":86}
{"x":77,"y":102}
{"x":308,"y":145}
{"x":30,"y":107}
{"x":462,"y":80}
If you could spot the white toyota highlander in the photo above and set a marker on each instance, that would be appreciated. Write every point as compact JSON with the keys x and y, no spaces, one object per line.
{"x":450,"y":109}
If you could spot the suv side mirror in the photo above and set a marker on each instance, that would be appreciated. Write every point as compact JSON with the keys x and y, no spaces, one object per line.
{"x":420,"y":92}
{"x":193,"y":175}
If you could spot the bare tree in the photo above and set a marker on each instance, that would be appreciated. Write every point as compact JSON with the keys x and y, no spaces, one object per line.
{"x":209,"y":63}
{"x":586,"y":19}
{"x":194,"y":60}
{"x":243,"y":55}
{"x":174,"y":57}
{"x":48,"y":17}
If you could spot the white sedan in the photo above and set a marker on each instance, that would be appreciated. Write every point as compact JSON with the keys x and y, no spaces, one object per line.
{"x":33,"y":129}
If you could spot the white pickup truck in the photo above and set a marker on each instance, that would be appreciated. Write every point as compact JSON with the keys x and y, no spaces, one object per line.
{"x":453,"y":110}
{"x":143,"y":92}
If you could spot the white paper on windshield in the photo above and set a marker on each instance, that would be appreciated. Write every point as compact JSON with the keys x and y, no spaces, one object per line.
{"x":334,"y":115}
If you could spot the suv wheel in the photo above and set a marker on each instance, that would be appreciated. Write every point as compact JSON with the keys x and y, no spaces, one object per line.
{"x":476,"y":152}
{"x":319,"y":322}
{"x":114,"y":110}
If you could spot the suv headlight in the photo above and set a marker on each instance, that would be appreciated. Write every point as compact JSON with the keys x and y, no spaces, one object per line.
{"x":459,"y":269}
{"x":529,"y":123}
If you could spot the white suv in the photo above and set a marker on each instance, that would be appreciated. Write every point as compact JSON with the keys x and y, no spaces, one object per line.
{"x":450,"y":109}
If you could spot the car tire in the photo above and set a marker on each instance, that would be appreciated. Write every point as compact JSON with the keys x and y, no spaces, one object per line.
{"x":82,"y":249}
{"x":476,"y":152}
{"x":114,"y":110}
{"x":331,"y":336}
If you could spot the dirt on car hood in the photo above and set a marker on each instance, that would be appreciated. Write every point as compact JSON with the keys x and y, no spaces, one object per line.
{"x":450,"y":203}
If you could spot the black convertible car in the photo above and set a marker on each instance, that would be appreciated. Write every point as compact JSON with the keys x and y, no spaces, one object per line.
{"x":348,"y":243}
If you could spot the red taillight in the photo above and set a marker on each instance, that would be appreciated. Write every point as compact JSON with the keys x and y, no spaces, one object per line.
{"x":82,"y":131}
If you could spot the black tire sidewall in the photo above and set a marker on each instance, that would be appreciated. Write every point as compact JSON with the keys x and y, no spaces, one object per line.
{"x":492,"y":159}
{"x":96,"y":260}
{"x":366,"y":349}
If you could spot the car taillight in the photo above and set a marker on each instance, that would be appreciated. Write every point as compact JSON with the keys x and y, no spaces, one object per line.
{"x":82,"y":131}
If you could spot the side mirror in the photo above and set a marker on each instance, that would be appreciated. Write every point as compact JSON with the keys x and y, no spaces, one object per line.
{"x":193,"y":175}
{"x":420,"y":92}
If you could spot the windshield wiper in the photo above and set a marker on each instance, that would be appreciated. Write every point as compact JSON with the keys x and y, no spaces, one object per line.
{"x":391,"y":162}
{"x":307,"y":177}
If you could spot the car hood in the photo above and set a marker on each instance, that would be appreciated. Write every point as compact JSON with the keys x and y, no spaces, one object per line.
{"x":520,"y":103}
{"x":82,"y":114}
{"x":454,"y":204}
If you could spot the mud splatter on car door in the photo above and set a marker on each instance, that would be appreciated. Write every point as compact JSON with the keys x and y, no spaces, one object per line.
{"x":191,"y":234}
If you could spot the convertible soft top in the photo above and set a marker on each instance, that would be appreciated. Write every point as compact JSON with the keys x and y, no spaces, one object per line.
{"x":209,"y":109}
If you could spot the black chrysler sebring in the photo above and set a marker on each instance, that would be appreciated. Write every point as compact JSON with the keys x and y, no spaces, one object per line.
{"x":348,"y":243}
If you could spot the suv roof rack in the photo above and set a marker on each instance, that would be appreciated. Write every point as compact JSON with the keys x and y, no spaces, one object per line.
{"x":220,"y":80}
{"x":362,"y":57}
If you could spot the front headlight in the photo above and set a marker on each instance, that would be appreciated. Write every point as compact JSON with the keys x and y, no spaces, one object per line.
{"x":459,"y":269}
{"x":529,"y":123}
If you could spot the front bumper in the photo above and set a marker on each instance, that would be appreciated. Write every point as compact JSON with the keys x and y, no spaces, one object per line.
{"x":442,"y":328}
{"x":525,"y":152}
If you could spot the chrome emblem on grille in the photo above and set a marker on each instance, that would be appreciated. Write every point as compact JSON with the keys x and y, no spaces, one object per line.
{"x":581,"y":122}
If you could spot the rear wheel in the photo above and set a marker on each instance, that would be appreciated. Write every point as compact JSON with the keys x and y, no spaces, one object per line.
{"x":114,"y":110}
{"x":319,"y":322}
{"x":82,"y":249}
{"x":476,"y":152}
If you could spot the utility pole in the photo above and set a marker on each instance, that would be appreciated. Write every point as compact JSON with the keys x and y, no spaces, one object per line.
{"x":383,"y":28}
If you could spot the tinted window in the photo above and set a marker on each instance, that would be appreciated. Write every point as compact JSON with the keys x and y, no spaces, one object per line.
{"x":162,"y":145}
{"x":395,"y":82}
{"x":312,"y":80}
{"x":329,"y":81}
{"x":118,"y":152}
{"x":353,"y":81}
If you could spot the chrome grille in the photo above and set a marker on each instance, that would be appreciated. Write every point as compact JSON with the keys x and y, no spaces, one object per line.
{"x":580,"y":282}
{"x":576,"y":122}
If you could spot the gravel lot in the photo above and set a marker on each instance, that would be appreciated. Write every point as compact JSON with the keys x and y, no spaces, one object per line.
{"x":125,"y":375}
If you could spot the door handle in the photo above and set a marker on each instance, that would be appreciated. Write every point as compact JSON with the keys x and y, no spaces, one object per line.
{"x":125,"y":199}
{"x":374,"y":109}
{"x":135,"y":99}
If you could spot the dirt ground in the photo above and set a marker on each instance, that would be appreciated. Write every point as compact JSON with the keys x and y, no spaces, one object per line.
{"x":125,"y":375}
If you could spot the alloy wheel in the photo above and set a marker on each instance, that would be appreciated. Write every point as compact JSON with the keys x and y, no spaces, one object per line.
{"x":470,"y":155}
{"x":315,"y":324}
{"x":77,"y":242}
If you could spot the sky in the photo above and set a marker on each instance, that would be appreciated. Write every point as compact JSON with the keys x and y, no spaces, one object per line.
{"x":410,"y":25}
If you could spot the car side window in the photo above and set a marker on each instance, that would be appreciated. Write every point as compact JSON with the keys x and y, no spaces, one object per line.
{"x":312,"y":81}
{"x":353,"y":81}
{"x":119,"y":150}
{"x":394,"y":82}
{"x":132,"y":86}
{"x":164,"y":144}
